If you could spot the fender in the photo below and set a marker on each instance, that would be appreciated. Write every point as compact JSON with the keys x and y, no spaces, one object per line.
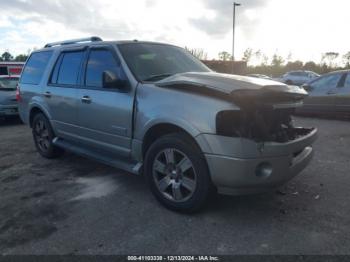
{"x":39,"y":102}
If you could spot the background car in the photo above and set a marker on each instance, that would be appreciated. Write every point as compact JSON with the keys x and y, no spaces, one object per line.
{"x":8,"y":102}
{"x":328,"y":94}
{"x":298,"y":77}
{"x":11,"y":68}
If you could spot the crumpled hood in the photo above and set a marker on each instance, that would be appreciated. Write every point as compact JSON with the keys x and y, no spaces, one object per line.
{"x":227,"y":84}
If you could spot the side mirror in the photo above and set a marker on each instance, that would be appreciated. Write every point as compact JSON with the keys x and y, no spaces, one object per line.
{"x":110,"y":80}
{"x":307,"y":87}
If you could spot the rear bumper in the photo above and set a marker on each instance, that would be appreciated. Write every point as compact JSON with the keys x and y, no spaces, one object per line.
{"x":8,"y":110}
{"x":241,"y":166}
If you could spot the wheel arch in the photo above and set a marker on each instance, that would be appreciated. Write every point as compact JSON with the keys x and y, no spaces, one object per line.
{"x":161,"y":129}
{"x":35,"y":109}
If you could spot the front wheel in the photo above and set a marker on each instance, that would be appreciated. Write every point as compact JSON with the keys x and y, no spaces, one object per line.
{"x":43,"y":136}
{"x":177,"y":173}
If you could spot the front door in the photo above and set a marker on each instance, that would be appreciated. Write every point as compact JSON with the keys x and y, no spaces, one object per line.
{"x":105,"y":114}
{"x":321,"y":95}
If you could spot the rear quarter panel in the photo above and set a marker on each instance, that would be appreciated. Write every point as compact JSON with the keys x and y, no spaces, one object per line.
{"x":32,"y":94}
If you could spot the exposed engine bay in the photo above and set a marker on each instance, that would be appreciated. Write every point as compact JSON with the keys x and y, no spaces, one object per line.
{"x":260,"y":125}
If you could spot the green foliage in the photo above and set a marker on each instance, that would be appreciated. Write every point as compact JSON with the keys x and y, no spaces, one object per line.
{"x":247,"y":55}
{"x":225,"y":56}
{"x":21,"y":58}
{"x":279,"y":66}
{"x":329,"y":57}
{"x":346,"y":59}
{"x":277,"y":60}
{"x":6,"y":56}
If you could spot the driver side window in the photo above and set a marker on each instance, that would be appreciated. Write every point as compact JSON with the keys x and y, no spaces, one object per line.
{"x":101,"y":60}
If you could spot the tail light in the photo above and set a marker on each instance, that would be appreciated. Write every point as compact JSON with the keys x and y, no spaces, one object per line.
{"x":18,"y":94}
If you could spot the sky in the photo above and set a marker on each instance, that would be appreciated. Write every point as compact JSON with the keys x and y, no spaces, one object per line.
{"x":300,"y":29}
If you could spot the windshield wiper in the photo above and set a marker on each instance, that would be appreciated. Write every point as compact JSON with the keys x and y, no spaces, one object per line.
{"x":156,"y":77}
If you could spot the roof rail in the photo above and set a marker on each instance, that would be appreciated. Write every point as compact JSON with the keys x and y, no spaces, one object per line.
{"x":74,"y":41}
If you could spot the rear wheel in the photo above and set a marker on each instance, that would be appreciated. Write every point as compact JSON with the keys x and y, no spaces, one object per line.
{"x":43,"y":136}
{"x":177,"y":173}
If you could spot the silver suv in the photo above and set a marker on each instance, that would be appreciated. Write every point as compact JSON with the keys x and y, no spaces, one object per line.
{"x":153,"y":108}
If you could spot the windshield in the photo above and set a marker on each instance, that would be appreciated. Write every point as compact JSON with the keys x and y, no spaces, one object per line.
{"x":153,"y":62}
{"x":8,"y":83}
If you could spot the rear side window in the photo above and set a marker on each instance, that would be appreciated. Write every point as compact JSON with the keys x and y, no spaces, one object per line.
{"x":67,"y":68}
{"x":35,"y":67}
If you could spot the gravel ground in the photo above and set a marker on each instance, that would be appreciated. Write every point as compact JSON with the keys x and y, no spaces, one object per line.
{"x":72,"y":205}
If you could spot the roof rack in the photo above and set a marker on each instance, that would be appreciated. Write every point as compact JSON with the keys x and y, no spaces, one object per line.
{"x":74,"y":41}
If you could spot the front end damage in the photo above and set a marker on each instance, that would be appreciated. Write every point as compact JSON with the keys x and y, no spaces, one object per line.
{"x":260,"y":125}
{"x":255,"y":147}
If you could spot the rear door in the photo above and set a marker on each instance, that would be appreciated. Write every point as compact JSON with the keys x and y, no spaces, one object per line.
{"x":105,"y":114}
{"x":342,"y":96}
{"x":61,"y":93}
{"x":322,"y":94}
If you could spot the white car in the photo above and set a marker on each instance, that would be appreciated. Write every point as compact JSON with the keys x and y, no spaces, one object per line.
{"x":298,"y":77}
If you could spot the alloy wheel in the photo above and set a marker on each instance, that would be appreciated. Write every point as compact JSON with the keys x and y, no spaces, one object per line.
{"x":41,"y":134}
{"x":174,"y":175}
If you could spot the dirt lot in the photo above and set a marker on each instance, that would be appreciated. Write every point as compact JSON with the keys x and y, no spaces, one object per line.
{"x":75,"y":206}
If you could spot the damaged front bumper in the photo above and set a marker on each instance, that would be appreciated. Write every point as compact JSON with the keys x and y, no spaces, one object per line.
{"x":243,"y":166}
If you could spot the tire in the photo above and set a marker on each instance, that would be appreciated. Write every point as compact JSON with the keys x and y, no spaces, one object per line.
{"x":289,"y":82}
{"x":43,"y":136}
{"x":177,"y":173}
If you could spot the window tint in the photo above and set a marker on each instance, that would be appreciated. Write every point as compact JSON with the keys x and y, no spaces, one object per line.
{"x":101,"y":60}
{"x":35,"y":67}
{"x":326,"y":82}
{"x":68,"y":68}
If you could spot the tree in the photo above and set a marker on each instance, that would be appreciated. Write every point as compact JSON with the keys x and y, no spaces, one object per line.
{"x":225,"y":56}
{"x":21,"y":58}
{"x":328,"y":58}
{"x":346,"y":59}
{"x":199,"y":53}
{"x":277,"y":60}
{"x":6,"y":56}
{"x":296,"y":65}
{"x":311,"y":66}
{"x":247,"y":55}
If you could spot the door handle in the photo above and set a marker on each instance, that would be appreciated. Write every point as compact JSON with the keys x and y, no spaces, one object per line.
{"x":47,"y":94}
{"x":86,"y":99}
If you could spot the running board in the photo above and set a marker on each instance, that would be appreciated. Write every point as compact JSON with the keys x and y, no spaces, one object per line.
{"x":124,"y":164}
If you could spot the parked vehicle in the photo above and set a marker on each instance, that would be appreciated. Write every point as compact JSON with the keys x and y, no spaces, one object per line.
{"x":328,"y":94}
{"x":260,"y":76}
{"x":8,"y":102}
{"x":155,"y":109}
{"x":298,"y":77}
{"x":11,"y":68}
